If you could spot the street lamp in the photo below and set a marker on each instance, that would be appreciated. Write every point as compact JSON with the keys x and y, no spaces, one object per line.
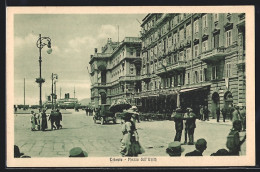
{"x":54,"y":78}
{"x":178,"y":95}
{"x":40,"y":44}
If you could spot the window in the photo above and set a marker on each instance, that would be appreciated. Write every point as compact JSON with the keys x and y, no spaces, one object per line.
{"x":201,"y":75}
{"x":188,"y":78}
{"x":196,"y":26}
{"x":181,"y":16}
{"x":204,"y":21}
{"x":228,"y":70}
{"x":214,"y":72}
{"x":195,"y":77}
{"x":181,"y":34}
{"x":188,"y":54}
{"x":204,"y":46}
{"x":175,"y":38}
{"x":131,"y":52}
{"x":215,"y":17}
{"x":228,"y":38}
{"x":216,"y":41}
{"x":181,"y":56}
{"x":188,"y":31}
{"x":196,"y":50}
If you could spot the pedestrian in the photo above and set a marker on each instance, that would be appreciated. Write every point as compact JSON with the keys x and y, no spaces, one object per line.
{"x":201,"y":113}
{"x":58,"y":119}
{"x":218,"y":113}
{"x":33,"y":121}
{"x":174,"y":149}
{"x":201,"y":146}
{"x":221,"y":152}
{"x":44,"y":125}
{"x":186,"y":115}
{"x":38,"y":118}
{"x":224,"y":113}
{"x":178,"y":119}
{"x":233,"y":139}
{"x":130,"y":145}
{"x":52,"y":119}
{"x":77,"y":152}
{"x":243,"y":116}
{"x":235,"y":114}
{"x":191,"y":125}
{"x":206,"y":113}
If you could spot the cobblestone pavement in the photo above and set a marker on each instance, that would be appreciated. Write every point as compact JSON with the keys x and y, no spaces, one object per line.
{"x":104,"y":140}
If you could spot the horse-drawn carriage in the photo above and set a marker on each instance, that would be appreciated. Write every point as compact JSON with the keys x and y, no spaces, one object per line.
{"x":104,"y":115}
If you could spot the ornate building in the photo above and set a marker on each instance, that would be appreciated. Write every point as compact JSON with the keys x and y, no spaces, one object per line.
{"x":115,"y":72}
{"x":192,"y":59}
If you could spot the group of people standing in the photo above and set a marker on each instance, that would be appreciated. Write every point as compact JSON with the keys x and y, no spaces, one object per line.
{"x":188,"y":118}
{"x":39,"y":120}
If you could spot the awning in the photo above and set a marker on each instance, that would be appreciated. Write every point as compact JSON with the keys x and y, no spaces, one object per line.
{"x":192,"y":89}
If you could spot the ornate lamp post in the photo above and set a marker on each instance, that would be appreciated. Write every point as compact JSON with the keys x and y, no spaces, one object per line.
{"x":54,"y":78}
{"x":40,"y":44}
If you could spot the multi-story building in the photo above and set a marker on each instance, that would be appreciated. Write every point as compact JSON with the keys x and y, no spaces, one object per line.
{"x":115,"y":72}
{"x":192,"y":59}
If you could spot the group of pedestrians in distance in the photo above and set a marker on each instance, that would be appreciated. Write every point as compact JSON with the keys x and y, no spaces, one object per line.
{"x":39,"y":121}
{"x":188,"y":119}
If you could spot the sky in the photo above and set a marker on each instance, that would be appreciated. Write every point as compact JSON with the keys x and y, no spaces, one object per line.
{"x":73,"y":39}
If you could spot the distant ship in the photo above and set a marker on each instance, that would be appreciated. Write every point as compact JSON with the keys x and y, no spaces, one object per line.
{"x":65,"y":103}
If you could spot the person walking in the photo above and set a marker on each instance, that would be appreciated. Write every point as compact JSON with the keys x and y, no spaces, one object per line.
{"x":218,"y":113}
{"x":33,"y":121}
{"x":130,"y":145}
{"x":233,"y":140}
{"x":201,"y":113}
{"x":206,"y":113}
{"x":38,"y":119}
{"x":191,"y":125}
{"x":58,"y":119}
{"x":243,"y":117}
{"x":186,"y":115}
{"x":224,"y":113}
{"x":235,"y":114}
{"x":52,"y":119}
{"x":44,"y":125}
{"x":178,"y":119}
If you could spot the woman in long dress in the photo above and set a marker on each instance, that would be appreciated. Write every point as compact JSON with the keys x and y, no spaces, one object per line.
{"x":44,"y":120}
{"x":130,"y":141}
{"x":33,"y":121}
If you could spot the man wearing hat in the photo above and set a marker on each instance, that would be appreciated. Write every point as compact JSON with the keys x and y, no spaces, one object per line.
{"x":178,"y":119}
{"x":200,"y":146}
{"x":17,"y":153}
{"x":242,"y":110}
{"x":174,"y":149}
{"x":77,"y":152}
{"x":191,"y":125}
{"x":235,"y":114}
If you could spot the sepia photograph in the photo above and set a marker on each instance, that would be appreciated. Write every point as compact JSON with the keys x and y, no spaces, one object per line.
{"x":130,"y":86}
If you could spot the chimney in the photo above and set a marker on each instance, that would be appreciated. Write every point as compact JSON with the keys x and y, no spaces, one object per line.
{"x":95,"y":50}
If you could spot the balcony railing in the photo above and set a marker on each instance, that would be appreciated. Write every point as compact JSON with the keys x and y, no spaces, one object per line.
{"x":177,"y":66}
{"x":214,"y":55}
{"x":128,"y":78}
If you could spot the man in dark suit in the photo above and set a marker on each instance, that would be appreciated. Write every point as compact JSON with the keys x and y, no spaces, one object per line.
{"x":200,"y":146}
{"x":191,"y":125}
{"x":178,"y":119}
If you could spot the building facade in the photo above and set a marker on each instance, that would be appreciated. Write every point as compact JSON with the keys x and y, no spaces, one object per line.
{"x":115,"y":71}
{"x":190,"y":60}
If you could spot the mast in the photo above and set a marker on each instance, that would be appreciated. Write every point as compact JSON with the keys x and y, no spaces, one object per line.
{"x":24,"y":91}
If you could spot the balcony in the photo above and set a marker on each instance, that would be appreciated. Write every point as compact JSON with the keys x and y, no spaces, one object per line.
{"x":128,"y":78}
{"x":146,"y":77}
{"x":214,"y":55}
{"x":180,"y":65}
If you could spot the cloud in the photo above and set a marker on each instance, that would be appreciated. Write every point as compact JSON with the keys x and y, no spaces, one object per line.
{"x":29,"y":40}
